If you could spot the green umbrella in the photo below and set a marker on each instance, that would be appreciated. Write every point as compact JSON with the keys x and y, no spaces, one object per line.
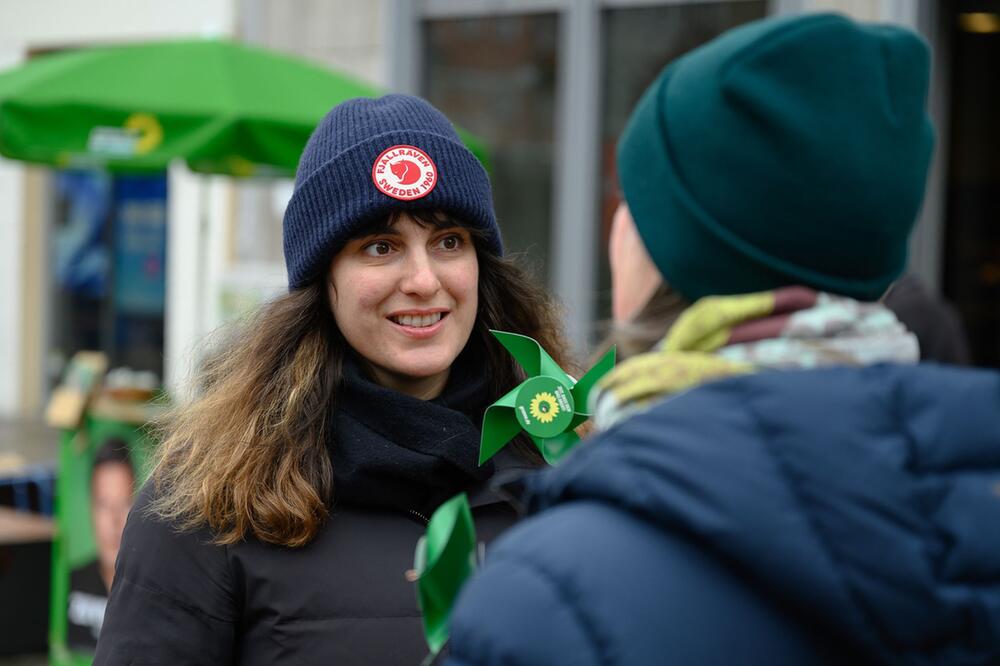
{"x":224,"y":107}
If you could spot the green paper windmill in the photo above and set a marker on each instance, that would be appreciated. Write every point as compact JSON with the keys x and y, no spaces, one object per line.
{"x":444,"y":560}
{"x":548,"y":405}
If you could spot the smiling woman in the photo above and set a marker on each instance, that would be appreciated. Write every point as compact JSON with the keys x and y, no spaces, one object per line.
{"x":288,"y":499}
{"x":407,"y":300}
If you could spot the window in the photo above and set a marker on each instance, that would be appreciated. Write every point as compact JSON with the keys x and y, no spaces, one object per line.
{"x":495,"y":77}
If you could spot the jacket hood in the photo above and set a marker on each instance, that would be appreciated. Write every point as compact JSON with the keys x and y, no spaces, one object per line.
{"x":867,"y":499}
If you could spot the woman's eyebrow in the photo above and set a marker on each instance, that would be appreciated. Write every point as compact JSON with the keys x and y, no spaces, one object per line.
{"x":380,"y":230}
{"x":449,"y":229}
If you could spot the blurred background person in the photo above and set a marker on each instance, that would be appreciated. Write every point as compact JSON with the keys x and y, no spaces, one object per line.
{"x":112,"y":487}
{"x":831,"y":500}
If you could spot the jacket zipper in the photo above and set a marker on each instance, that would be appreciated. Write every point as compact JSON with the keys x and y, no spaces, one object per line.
{"x":419,"y":515}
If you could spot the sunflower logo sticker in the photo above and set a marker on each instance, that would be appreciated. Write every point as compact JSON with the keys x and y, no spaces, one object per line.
{"x":544,"y":407}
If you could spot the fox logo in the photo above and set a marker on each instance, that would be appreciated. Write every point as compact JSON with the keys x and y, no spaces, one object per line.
{"x":405,"y":171}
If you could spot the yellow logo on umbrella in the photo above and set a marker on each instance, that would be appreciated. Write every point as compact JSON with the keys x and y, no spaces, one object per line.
{"x":544,"y":407}
{"x":141,"y":134}
{"x":149,"y":130}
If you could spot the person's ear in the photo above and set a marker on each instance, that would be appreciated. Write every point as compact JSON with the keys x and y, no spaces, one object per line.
{"x":331,"y":289}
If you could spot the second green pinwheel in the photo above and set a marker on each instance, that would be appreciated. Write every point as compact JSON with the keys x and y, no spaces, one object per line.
{"x":445,"y":558}
{"x":548,"y":405}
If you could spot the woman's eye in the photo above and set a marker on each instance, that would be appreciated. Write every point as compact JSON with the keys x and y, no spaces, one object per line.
{"x":378,"y":249}
{"x":452,"y":242}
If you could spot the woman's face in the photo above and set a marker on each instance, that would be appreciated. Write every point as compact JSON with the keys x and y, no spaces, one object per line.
{"x":634,"y":276}
{"x":406,"y":301}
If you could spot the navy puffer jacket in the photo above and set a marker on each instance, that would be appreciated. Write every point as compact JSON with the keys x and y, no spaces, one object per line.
{"x":832,"y":516}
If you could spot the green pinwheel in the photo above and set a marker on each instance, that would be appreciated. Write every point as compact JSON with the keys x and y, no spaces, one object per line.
{"x":548,"y":405}
{"x":445,"y":558}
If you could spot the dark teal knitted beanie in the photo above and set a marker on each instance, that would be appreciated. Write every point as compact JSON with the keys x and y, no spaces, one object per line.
{"x":787,"y":151}
{"x":369,"y":158}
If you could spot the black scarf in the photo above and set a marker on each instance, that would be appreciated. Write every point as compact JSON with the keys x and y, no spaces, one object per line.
{"x":394,"y":451}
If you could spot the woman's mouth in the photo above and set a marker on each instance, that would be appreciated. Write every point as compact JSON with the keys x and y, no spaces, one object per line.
{"x":418,"y":321}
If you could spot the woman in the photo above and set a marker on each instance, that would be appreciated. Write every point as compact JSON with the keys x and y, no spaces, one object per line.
{"x":288,"y":499}
{"x":742,"y":505}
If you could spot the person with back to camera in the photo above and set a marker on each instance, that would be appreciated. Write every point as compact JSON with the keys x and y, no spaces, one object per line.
{"x":777,"y":480}
{"x":287,"y":500}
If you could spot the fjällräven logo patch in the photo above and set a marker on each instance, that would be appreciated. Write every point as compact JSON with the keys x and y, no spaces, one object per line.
{"x":404,"y":172}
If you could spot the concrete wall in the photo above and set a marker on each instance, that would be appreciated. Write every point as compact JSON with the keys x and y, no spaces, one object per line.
{"x":61,"y":23}
{"x":344,"y":34}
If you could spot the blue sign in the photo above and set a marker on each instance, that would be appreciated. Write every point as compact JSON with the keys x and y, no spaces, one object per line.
{"x":140,"y":244}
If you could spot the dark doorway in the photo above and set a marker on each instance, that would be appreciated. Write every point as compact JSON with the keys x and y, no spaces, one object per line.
{"x":972,"y":223}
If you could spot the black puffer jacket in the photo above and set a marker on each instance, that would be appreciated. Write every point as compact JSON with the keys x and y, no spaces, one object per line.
{"x":343,"y":598}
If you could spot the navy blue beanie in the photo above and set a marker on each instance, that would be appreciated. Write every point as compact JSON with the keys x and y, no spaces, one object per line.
{"x":369,"y":158}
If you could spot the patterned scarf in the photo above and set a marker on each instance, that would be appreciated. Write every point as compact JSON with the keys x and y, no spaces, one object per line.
{"x":725,"y":336}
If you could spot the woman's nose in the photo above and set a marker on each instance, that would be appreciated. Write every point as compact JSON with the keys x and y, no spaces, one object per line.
{"x":420,"y":276}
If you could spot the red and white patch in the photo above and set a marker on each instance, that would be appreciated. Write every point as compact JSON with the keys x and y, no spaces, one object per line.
{"x":405,"y":173}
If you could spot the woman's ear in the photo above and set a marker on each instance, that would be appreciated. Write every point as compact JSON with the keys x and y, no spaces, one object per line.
{"x":331,"y":289}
